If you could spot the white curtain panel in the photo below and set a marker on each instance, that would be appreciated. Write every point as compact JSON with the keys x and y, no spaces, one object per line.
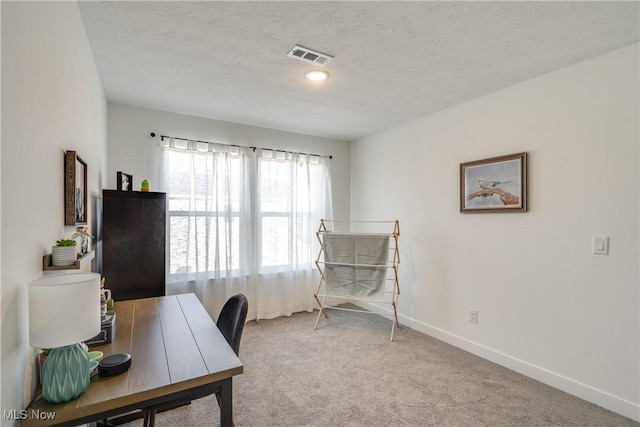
{"x":243,"y":221}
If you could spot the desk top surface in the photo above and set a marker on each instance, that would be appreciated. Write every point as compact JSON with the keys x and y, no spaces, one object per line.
{"x":174,"y":346}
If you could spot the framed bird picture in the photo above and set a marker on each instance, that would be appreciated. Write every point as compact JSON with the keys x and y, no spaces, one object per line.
{"x":498,"y":184}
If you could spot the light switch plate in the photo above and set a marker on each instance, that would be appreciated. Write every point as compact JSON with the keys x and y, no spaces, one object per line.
{"x":601,"y":245}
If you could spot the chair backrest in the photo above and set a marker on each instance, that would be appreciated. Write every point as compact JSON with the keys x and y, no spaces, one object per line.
{"x":231,"y":320}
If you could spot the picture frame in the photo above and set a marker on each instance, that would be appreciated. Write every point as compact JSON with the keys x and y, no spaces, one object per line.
{"x":497,"y":184}
{"x":124,"y":181}
{"x":75,"y":189}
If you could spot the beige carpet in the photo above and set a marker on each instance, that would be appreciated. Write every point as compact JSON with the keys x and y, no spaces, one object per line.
{"x":347,"y":373}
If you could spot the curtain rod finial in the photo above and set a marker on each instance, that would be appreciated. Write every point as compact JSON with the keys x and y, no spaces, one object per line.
{"x":153,"y":134}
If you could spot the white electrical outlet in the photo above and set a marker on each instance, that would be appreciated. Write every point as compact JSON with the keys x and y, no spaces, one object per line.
{"x":473,"y":315}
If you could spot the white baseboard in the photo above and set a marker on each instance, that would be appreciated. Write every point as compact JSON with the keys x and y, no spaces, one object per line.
{"x":583,"y":391}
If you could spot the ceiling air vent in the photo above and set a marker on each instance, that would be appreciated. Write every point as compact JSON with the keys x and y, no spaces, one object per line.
{"x":308,"y":55}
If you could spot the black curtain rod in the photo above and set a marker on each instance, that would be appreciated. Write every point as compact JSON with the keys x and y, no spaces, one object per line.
{"x":162,"y":137}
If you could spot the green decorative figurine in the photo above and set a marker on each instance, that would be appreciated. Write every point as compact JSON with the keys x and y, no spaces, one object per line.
{"x":144,"y":186}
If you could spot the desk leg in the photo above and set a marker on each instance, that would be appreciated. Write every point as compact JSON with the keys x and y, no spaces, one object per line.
{"x":226,"y":403}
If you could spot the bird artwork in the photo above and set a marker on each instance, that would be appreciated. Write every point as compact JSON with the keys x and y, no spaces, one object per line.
{"x":491,"y":187}
{"x":493,"y":184}
{"x":487,"y":185}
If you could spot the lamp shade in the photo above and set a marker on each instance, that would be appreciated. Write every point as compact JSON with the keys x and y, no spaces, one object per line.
{"x":64,"y":309}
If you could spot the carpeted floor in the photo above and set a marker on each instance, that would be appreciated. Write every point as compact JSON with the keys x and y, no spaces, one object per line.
{"x":347,"y":373}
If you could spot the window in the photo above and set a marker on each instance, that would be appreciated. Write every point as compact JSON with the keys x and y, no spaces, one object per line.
{"x":290,"y":194}
{"x":233,"y":211}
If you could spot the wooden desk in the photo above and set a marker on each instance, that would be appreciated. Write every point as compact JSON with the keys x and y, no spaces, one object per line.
{"x":176,"y":350}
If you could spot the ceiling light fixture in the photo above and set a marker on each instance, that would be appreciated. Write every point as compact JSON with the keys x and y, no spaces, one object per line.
{"x":316,"y":75}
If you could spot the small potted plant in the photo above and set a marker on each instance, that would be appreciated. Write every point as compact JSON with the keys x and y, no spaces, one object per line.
{"x":64,"y":253}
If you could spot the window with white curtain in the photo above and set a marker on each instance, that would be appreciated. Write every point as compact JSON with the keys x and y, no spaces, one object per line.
{"x":290,"y":194}
{"x":244,"y":220}
{"x":205,"y":192}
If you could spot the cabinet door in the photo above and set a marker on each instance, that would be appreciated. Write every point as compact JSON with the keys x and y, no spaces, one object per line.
{"x":134,"y":231}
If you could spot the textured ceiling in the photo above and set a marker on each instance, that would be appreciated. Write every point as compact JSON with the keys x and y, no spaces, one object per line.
{"x":394,"y":61}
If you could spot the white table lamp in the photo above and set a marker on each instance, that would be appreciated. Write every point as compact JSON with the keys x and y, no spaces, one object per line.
{"x":64,"y":310}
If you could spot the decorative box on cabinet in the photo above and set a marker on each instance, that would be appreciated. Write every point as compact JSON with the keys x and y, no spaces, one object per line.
{"x":133,"y":247}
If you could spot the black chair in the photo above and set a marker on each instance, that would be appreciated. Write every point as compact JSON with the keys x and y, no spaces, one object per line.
{"x":231,"y":320}
{"x":231,"y":323}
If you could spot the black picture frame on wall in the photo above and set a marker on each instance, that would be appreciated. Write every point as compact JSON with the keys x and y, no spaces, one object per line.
{"x":75,"y":189}
{"x":124,"y":181}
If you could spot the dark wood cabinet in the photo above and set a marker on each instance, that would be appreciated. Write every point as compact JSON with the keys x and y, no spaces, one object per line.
{"x":133,"y":245}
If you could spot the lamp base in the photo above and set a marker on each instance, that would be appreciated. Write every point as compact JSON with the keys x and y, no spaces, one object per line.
{"x":65,"y":373}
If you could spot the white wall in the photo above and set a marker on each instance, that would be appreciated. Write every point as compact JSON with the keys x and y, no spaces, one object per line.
{"x":52,"y":101}
{"x":547,"y":306}
{"x":131,"y":146}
